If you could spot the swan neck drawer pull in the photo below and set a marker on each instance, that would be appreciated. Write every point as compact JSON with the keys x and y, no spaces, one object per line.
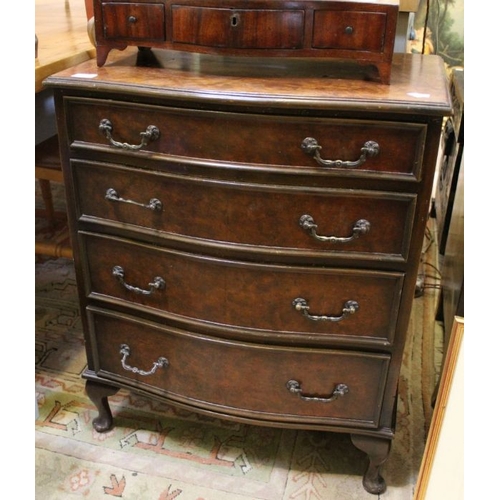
{"x":125,"y":352}
{"x":340,"y":390}
{"x":157,"y":283}
{"x":360,"y":227}
{"x":151,"y":134}
{"x":311,"y":147}
{"x":301,"y":305}
{"x":154,"y":203}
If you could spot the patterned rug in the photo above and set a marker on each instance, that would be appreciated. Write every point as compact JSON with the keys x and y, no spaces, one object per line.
{"x":157,"y":452}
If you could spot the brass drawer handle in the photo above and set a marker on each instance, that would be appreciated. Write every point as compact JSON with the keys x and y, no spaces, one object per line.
{"x":311,"y":147}
{"x":294,"y":387}
{"x":154,"y":203}
{"x":125,"y":352}
{"x":360,"y":227}
{"x":301,"y":305}
{"x":157,"y":283}
{"x":151,"y":134}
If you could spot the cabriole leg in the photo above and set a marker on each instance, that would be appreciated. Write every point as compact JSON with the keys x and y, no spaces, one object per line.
{"x":98,"y":394}
{"x":377,"y":450}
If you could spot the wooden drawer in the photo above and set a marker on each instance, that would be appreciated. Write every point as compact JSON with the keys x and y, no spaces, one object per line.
{"x":238,"y":28}
{"x":289,"y":144}
{"x":241,"y":379}
{"x":349,"y":30}
{"x":368,"y":225}
{"x":133,"y":21}
{"x":255,"y":299}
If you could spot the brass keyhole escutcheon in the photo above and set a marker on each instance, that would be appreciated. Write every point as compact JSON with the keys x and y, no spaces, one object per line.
{"x":235,"y":20}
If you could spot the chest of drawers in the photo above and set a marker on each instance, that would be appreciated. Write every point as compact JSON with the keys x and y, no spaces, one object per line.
{"x":247,"y":238}
{"x":363,"y":31}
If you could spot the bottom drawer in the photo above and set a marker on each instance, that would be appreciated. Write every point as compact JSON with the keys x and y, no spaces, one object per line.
{"x":263,"y":382}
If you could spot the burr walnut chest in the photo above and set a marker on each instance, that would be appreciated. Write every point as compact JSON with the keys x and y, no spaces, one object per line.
{"x":247,"y":234}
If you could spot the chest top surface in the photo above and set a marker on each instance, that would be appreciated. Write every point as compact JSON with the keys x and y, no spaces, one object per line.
{"x":419,"y":83}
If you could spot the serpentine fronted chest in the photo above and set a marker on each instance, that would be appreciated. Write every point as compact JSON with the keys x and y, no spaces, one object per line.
{"x":247,"y":235}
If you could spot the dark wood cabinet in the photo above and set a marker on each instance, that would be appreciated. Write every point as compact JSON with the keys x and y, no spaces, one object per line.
{"x":363,"y":31}
{"x":247,"y":236}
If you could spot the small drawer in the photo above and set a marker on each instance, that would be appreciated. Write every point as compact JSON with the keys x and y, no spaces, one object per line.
{"x":349,"y":30}
{"x":242,"y":379}
{"x":238,"y":28}
{"x":328,"y":304}
{"x":285,"y":144}
{"x":289,"y":220}
{"x":133,"y":21}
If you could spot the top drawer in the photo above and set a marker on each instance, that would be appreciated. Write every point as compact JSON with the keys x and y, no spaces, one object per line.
{"x":316,"y":146}
{"x":347,"y":30}
{"x":133,"y":21}
{"x":238,"y":28}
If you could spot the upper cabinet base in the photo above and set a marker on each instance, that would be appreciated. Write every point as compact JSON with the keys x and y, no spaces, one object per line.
{"x":340,"y":29}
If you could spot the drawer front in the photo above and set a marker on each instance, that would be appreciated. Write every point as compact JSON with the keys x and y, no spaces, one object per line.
{"x":233,"y":140}
{"x":352,"y":305}
{"x":345,"y":30}
{"x":249,"y":380}
{"x":133,"y":21}
{"x":357,"y":224}
{"x":238,"y":28}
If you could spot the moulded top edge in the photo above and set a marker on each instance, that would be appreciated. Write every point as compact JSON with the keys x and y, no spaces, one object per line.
{"x":418,"y":83}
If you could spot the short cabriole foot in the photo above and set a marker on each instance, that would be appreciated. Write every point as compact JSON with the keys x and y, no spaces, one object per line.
{"x":102,"y":52}
{"x":377,"y":450}
{"x":98,"y":394}
{"x":384,"y":71}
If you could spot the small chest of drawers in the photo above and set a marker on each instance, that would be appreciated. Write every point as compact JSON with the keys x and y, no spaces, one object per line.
{"x":247,"y":237}
{"x":363,"y":31}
